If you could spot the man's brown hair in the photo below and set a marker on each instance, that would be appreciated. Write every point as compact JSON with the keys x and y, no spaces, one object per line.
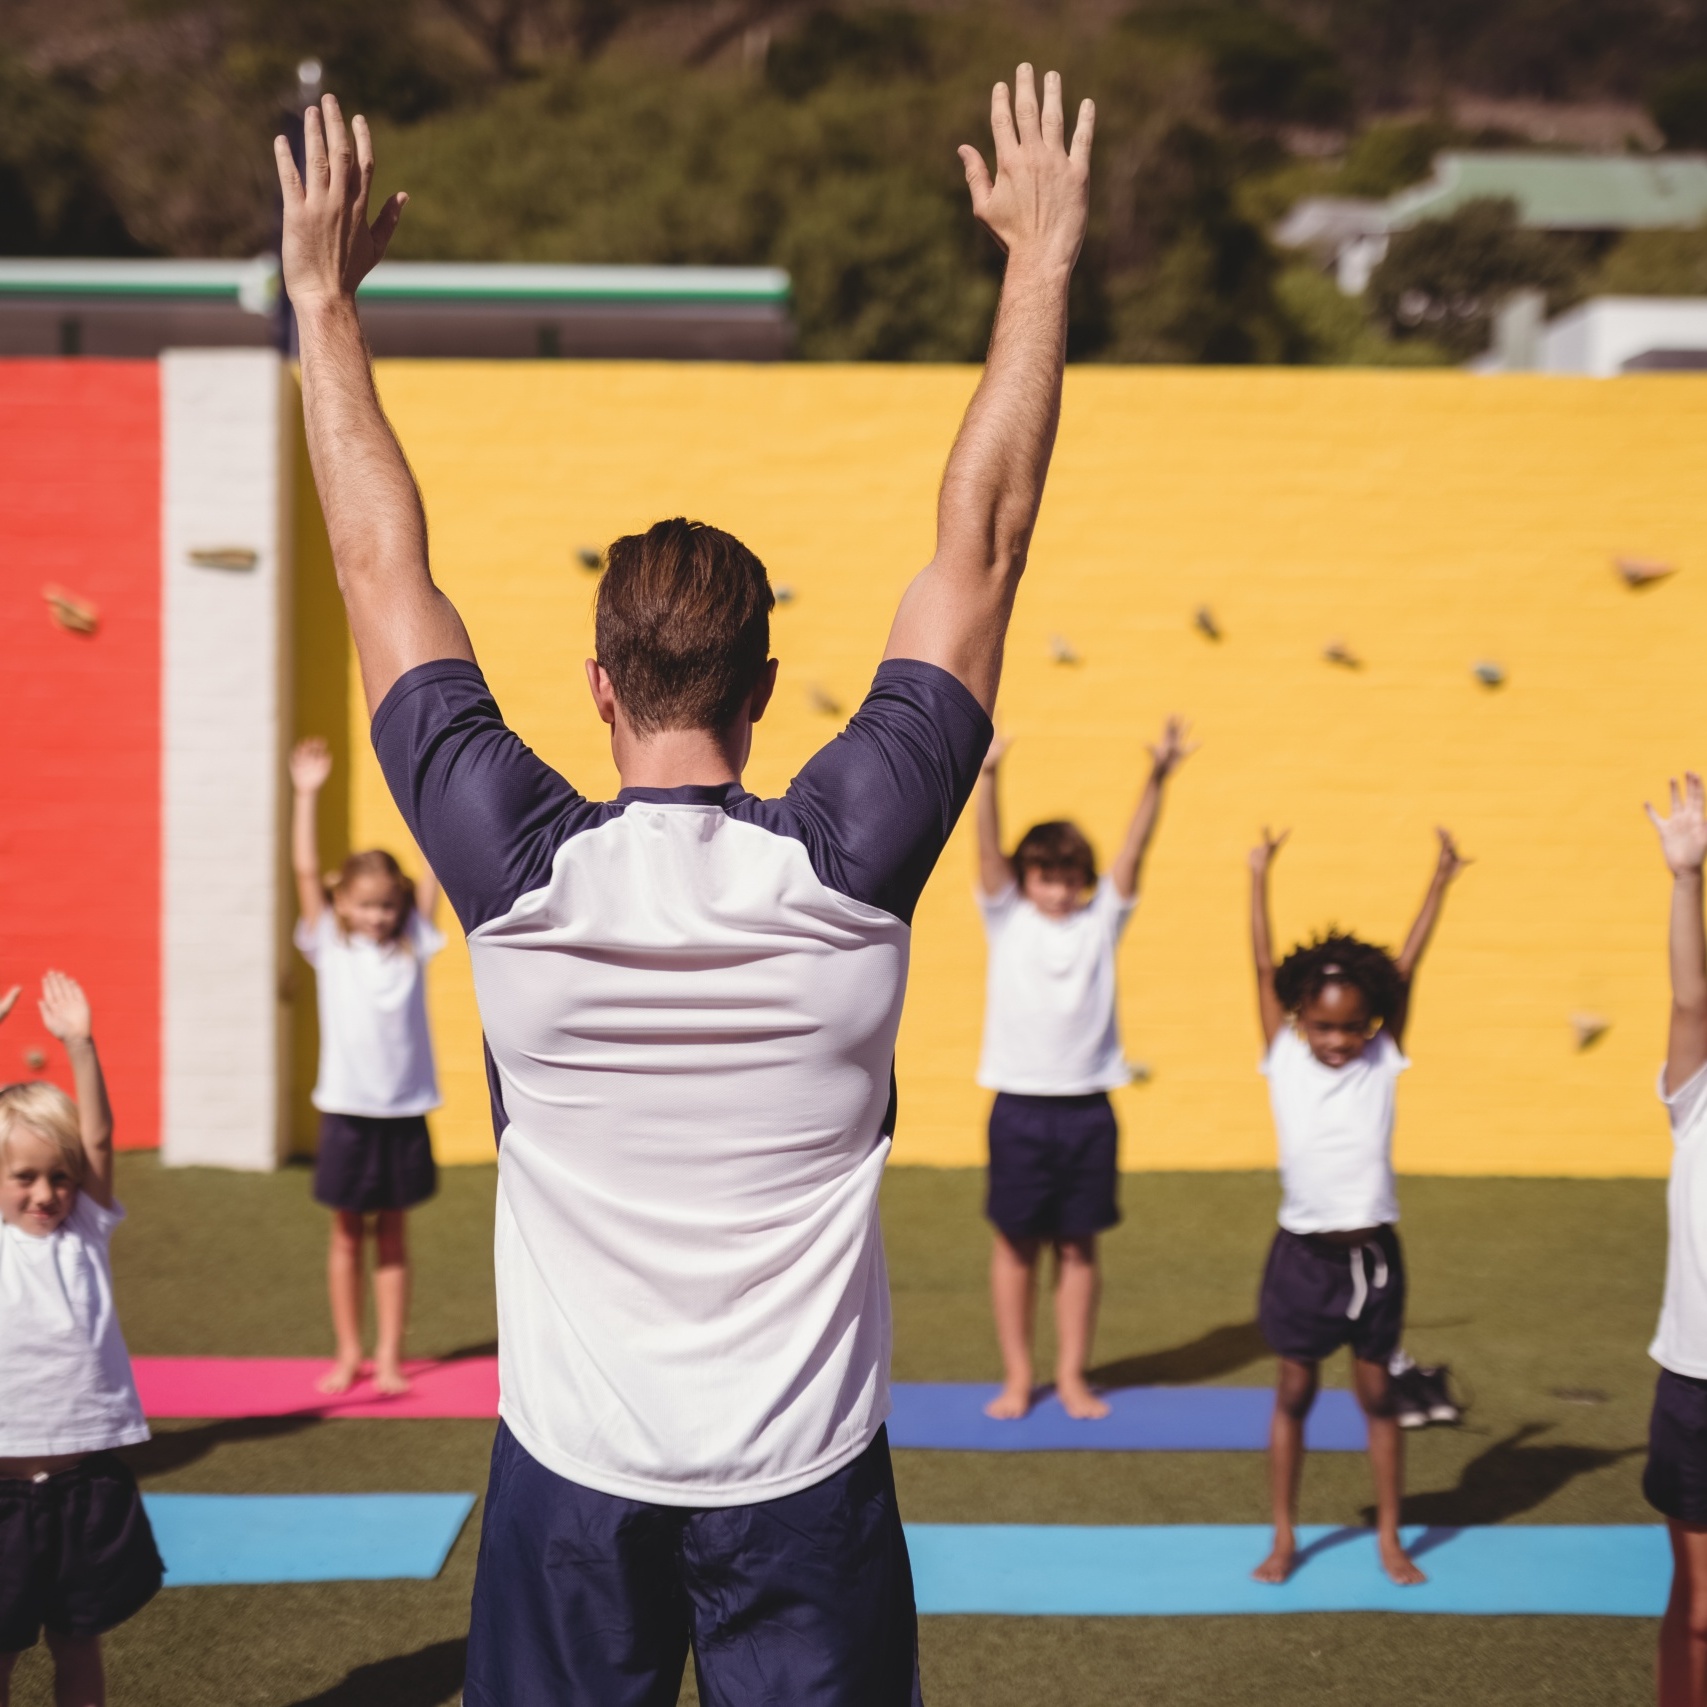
{"x":683,"y":625}
{"x":1056,"y":846}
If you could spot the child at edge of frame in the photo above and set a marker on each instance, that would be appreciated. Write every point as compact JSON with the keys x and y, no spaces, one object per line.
{"x":1333,"y":1016}
{"x":368,"y":932}
{"x":77,"y":1554}
{"x":1052,"y":1053}
{"x":1675,"y":1478}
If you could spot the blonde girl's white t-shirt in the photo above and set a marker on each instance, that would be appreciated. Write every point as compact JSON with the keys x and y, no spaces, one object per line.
{"x":1680,"y":1345}
{"x":65,"y":1378}
{"x":1335,"y":1126}
{"x":376,"y":1056}
{"x":1050,"y":1027}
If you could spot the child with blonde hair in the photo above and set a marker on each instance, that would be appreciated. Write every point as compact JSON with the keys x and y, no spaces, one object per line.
{"x":368,"y":932}
{"x":77,"y":1555}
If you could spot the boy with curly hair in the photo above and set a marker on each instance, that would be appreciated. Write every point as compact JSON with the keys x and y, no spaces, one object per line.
{"x":1333,"y":1019}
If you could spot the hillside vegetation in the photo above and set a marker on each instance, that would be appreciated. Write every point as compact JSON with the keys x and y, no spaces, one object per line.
{"x":821,"y":138}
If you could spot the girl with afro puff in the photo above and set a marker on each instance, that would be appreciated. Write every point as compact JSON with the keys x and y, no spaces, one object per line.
{"x":1333,"y":1018}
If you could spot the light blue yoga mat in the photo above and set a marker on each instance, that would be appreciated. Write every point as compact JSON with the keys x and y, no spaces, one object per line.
{"x":949,"y":1416}
{"x":303,"y":1538}
{"x":1614,"y":1570}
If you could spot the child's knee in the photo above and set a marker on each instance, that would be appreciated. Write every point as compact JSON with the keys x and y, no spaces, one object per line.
{"x":1375,"y":1390}
{"x":1076,"y":1253}
{"x":1295,"y":1392}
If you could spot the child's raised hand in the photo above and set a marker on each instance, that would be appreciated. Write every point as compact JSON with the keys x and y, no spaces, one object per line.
{"x":9,"y":998}
{"x":1174,"y":748}
{"x":310,"y":765}
{"x":1263,"y":857}
{"x":999,"y":744}
{"x":65,"y":1009}
{"x":1451,"y":860}
{"x":1683,"y":834}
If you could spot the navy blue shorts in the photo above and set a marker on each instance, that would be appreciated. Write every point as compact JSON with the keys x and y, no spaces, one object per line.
{"x":1054,"y":1166}
{"x":76,"y":1553}
{"x":1675,"y":1480}
{"x":366,"y":1163}
{"x":1312,"y":1302}
{"x":583,"y":1599}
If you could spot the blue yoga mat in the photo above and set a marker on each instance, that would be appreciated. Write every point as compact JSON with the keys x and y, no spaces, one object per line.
{"x":949,"y":1416}
{"x":1614,"y":1570}
{"x":303,"y":1538}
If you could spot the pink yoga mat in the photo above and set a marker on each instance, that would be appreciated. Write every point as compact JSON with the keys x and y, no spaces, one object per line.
{"x":284,"y":1386}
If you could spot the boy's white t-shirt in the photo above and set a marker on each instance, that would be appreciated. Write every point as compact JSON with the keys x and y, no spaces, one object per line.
{"x":1335,"y":1126}
{"x":1680,"y":1345}
{"x":1050,"y":1027}
{"x":65,"y":1378}
{"x":376,"y":1056}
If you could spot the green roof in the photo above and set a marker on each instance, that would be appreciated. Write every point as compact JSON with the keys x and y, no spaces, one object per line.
{"x":1564,"y":192}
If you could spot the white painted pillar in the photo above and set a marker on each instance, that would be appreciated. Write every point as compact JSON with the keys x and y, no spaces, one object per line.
{"x":226,"y":673}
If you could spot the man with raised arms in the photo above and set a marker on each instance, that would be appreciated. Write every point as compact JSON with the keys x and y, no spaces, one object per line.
{"x":690,"y":998}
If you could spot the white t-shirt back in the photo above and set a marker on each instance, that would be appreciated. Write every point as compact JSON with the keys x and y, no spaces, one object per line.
{"x":376,"y":1055}
{"x":1335,"y":1126}
{"x":1050,"y":1027}
{"x":65,"y":1379}
{"x":1680,"y":1345}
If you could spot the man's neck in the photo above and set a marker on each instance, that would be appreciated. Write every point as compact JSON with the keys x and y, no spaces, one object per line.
{"x":679,"y":758}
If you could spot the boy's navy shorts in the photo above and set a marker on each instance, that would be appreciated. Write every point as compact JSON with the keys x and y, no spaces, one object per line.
{"x":1317,"y":1296}
{"x":1675,"y":1480}
{"x":369,"y":1162}
{"x":1054,"y":1166}
{"x":584,"y":1599}
{"x":76,"y":1553}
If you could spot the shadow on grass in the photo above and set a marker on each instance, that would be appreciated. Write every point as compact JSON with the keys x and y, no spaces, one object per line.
{"x":424,"y":1678}
{"x":1511,"y":1477}
{"x":1221,"y":1351}
{"x":173,"y":1449}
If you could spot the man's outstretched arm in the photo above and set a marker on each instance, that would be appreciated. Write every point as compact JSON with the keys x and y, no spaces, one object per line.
{"x":373,"y":511}
{"x":955,"y":613}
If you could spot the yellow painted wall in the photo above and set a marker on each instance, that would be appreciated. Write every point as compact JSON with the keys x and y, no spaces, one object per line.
{"x":1427,"y":520}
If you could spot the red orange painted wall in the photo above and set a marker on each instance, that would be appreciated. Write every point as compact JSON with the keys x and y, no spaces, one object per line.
{"x":80,"y":715}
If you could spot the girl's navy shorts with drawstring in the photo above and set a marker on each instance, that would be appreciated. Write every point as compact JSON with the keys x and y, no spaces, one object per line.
{"x":1317,"y":1296}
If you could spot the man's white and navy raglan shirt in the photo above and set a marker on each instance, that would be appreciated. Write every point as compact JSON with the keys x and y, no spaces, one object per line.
{"x":690,"y":998}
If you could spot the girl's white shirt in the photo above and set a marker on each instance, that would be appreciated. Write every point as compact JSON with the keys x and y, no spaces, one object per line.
{"x":1050,"y":1027}
{"x":1335,"y":1126}
{"x":65,"y":1379}
{"x":376,"y":1055}
{"x":1680,"y":1345}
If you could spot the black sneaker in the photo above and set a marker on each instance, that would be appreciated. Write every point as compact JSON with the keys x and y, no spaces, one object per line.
{"x":1410,"y":1398}
{"x":1437,"y":1395}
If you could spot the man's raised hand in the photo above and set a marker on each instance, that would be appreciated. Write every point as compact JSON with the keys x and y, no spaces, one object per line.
{"x":1683,"y":835}
{"x":1038,"y":203}
{"x":329,"y":247}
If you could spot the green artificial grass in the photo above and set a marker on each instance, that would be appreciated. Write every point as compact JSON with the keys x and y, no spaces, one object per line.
{"x":1540,"y":1293}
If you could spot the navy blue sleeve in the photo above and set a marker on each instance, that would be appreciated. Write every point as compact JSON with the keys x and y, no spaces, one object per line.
{"x":875,"y":807}
{"x":485,"y":809}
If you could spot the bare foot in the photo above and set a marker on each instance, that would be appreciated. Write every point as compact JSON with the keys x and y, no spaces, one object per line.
{"x":1010,"y":1404}
{"x":341,"y":1377}
{"x":1277,"y":1567}
{"x":390,"y":1380}
{"x":1077,"y":1400}
{"x":1396,"y":1562}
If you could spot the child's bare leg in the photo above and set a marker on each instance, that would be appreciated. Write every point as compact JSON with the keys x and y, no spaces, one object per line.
{"x":1013,"y":1296}
{"x":391,"y":1302}
{"x":7,"y":1661}
{"x":78,"y":1678}
{"x":1078,"y":1283}
{"x":344,"y":1288}
{"x":1387,"y":1463}
{"x":1295,"y":1393}
{"x":1683,"y":1630}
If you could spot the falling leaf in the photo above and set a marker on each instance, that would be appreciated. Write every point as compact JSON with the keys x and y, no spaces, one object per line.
{"x":1337,"y":652}
{"x":1489,"y":675}
{"x":1142,"y":1072}
{"x":1062,"y":651}
{"x":1205,"y":623}
{"x":224,"y":557}
{"x":1642,"y":571}
{"x":70,"y":612}
{"x":590,"y":558}
{"x":819,"y":700}
{"x":784,"y":593}
{"x":1589,"y":1029}
{"x":35,"y":1060}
